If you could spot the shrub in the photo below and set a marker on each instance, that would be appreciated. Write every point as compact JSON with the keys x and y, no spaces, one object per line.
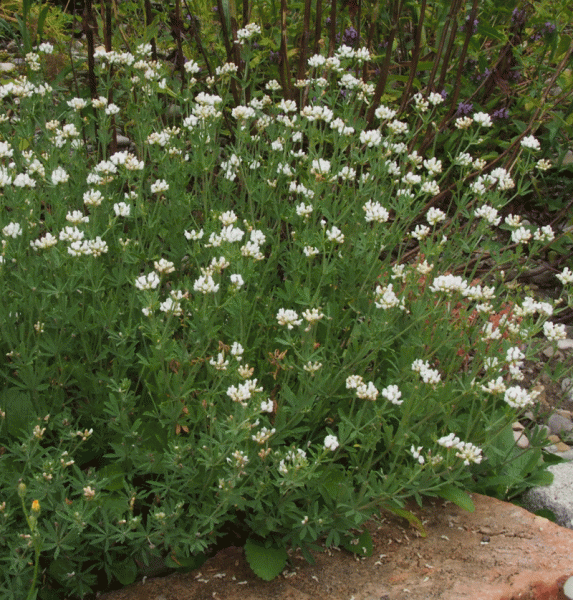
{"x":256,"y":318}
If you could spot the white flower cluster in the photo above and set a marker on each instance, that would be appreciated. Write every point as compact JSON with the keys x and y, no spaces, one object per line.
{"x":428,"y":375}
{"x":288,"y":318}
{"x":243,"y":392}
{"x":385,"y":298}
{"x":467,"y":451}
{"x":375,"y":212}
{"x":293,"y":460}
{"x":449,"y":284}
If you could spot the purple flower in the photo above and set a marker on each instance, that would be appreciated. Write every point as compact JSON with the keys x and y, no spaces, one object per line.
{"x":500,"y":113}
{"x":350,"y":36}
{"x":474,"y":24}
{"x":518,"y":16}
{"x":464,"y":109}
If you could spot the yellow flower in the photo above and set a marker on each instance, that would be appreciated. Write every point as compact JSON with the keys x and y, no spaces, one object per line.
{"x":36,"y":506}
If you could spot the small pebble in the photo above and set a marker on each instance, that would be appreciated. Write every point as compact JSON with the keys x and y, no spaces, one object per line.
{"x":565,"y":344}
{"x":557,"y":424}
{"x":520,"y":439}
{"x":568,"y":588}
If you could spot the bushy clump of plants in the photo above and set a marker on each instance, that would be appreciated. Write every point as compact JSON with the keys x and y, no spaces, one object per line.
{"x":258,"y":316}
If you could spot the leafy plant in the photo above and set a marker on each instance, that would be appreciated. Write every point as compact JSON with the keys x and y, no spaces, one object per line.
{"x":261,"y":317}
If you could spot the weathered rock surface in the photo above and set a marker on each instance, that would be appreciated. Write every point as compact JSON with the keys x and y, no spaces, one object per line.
{"x":498,"y":552}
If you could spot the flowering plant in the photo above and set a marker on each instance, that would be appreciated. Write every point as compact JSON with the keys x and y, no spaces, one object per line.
{"x":261,"y":317}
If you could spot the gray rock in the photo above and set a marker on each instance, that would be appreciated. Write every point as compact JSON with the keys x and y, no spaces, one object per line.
{"x":6,"y":67}
{"x":123,"y":141}
{"x":568,"y":588}
{"x":558,"y":423}
{"x":565,"y":344}
{"x":556,"y":497}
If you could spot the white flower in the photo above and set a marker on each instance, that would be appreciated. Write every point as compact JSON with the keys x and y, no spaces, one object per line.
{"x":530,"y":142}
{"x":449,"y":441}
{"x":435,"y":215}
{"x":398,"y":127}
{"x":71,"y":234}
{"x":163,"y":267}
{"x":263,"y":435}
{"x":517,"y":397}
{"x":312,"y":367}
{"x":544,"y":234}
{"x":237,"y":350}
{"x":521,"y":235}
{"x":435,"y":98}
{"x":288,"y":317}
{"x":367,"y":391}
{"x":372,"y":138}
{"x":111,"y":109}
{"x":159,"y":186}
{"x":385,"y":297}
{"x":448,"y":284}
{"x":312,"y":316}
{"x":483,"y":119}
{"x":566,"y":276}
{"x":554,"y":332}
{"x":122,"y":209}
{"x":237,"y":281}
{"x":12,"y":230}
{"x":77,"y":103}
{"x":194,"y":235}
{"x":267,"y":406}
{"x":420,"y":232}
{"x":434,"y":166}
{"x":92,"y":198}
{"x":147,"y":282}
{"x":206,"y":285}
{"x":463,"y":122}
{"x":384,"y":113}
{"x":310,"y":251}
{"x":47,"y":241}
{"x":495,"y":386}
{"x":335,"y":235}
{"x":416,"y":453}
{"x":331,"y":442}
{"x":220,"y":364}
{"x":320,"y":167}
{"x":304,"y":210}
{"x":393,"y":394}
{"x":488,"y":213}
{"x":469,"y":453}
{"x":59,"y":176}
{"x":248,"y":32}
{"x":375,"y":212}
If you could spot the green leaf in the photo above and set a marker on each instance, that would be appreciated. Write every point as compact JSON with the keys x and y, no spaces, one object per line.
{"x":410,"y":517}
{"x":453,"y":494}
{"x":185,"y":564}
{"x":114,"y":472}
{"x":361,"y":545}
{"x":266,"y":563}
{"x":331,"y":484}
{"x":546,"y":514}
{"x":125,"y":571}
{"x":20,"y":412}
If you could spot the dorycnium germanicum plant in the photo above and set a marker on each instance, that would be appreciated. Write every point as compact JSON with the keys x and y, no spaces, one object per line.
{"x":257,"y":316}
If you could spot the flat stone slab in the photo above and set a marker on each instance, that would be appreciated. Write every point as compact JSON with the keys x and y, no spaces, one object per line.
{"x":498,"y":552}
